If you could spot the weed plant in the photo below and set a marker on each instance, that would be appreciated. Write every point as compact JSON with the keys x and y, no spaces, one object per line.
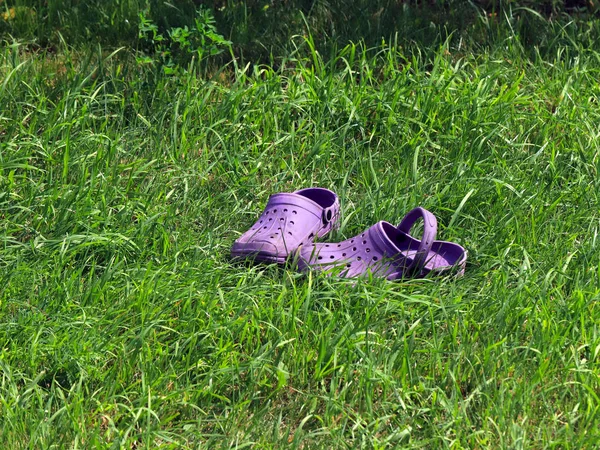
{"x":124,"y":324}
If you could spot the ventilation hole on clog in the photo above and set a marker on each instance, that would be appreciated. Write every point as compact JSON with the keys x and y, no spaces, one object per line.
{"x":261,"y":221}
{"x":281,"y":219}
{"x":343,"y":254}
{"x":279,"y":228}
{"x":339,"y":245}
{"x":353,"y":248}
{"x":267,"y":213}
{"x":348,"y":265}
{"x":294,"y":212}
{"x":274,"y":211}
{"x":272,"y":237}
{"x":375,"y":258}
{"x":320,"y":257}
{"x":362,"y":235}
{"x":285,"y":210}
{"x":352,"y":241}
{"x":326,"y":245}
{"x":264,"y":228}
{"x":291,"y":222}
{"x":364,"y":242}
{"x":368,"y":250}
{"x":290,"y":233}
{"x":358,"y":258}
{"x":331,"y":257}
{"x":270,"y":219}
{"x":311,"y":235}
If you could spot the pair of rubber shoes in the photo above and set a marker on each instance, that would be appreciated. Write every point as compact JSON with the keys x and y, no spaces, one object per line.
{"x":292,"y":222}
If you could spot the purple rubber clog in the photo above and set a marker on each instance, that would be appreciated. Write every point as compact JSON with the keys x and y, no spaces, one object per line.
{"x":288,"y":221}
{"x":388,"y":251}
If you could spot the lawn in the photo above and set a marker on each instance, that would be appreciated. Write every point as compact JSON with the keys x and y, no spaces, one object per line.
{"x":124,"y":323}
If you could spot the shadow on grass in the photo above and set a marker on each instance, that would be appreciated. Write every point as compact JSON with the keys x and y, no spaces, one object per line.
{"x":265,"y":31}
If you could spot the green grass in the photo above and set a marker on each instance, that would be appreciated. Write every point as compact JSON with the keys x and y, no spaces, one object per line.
{"x":124,"y":324}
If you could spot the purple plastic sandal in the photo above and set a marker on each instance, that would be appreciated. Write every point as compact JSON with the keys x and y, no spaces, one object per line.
{"x":388,"y":251}
{"x":288,"y":221}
